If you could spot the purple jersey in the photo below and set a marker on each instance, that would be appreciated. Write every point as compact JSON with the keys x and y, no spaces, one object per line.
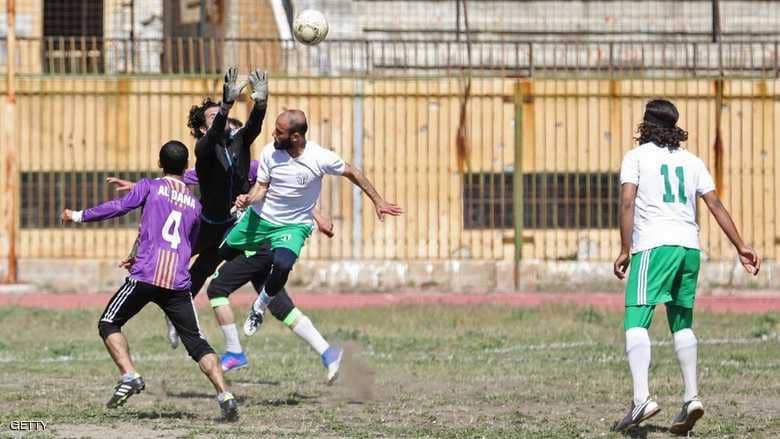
{"x":168,"y":229}
{"x":191,"y":177}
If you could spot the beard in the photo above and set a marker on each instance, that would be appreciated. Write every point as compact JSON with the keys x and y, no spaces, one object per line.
{"x":283,"y":145}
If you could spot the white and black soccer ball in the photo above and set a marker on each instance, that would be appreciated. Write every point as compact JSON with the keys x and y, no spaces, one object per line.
{"x":310,"y":27}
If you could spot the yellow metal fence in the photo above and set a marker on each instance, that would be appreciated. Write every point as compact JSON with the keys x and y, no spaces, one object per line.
{"x":72,"y":132}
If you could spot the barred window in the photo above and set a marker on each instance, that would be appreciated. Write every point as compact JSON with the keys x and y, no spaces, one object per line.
{"x":68,"y":18}
{"x":73,"y":32}
{"x":550,"y":200}
{"x":45,"y":193}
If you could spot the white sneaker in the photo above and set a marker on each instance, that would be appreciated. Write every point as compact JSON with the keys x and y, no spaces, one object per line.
{"x":331,"y":359}
{"x":691,"y":412}
{"x":173,"y":336}
{"x":636,"y":415}
{"x":252,"y":322}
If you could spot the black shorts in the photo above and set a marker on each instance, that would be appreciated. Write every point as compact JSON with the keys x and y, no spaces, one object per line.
{"x":177,"y":305}
{"x":207,"y":251}
{"x":241,"y":269}
{"x":210,"y":236}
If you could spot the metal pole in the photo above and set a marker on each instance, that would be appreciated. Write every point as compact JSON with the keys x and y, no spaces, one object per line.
{"x":357,"y":160}
{"x":457,"y":20}
{"x":9,"y":184}
{"x":718,"y":143}
{"x":716,"y":38}
{"x":202,"y":20}
{"x":715,"y":21}
{"x":517,"y":182}
{"x":132,"y":36}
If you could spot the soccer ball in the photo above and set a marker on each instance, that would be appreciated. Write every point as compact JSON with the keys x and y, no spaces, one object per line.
{"x":310,"y":27}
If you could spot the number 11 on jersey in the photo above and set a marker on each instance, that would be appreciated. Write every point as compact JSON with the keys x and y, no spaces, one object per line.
{"x":668,"y":195}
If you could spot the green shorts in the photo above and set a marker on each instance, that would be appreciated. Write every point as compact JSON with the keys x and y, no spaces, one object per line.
{"x":640,"y":316}
{"x":251,"y":232}
{"x":665,"y":274}
{"x":662,"y":275}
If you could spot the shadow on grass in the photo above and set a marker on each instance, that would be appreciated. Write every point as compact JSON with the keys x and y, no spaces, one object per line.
{"x":253,"y":382}
{"x":292,"y":399}
{"x":189,"y":395}
{"x":197,"y":395}
{"x":155,"y":414}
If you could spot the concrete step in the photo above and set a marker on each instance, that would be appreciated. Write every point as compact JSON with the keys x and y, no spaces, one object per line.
{"x":18,"y":288}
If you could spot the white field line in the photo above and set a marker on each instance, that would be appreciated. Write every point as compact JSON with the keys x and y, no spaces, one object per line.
{"x":159,"y":358}
{"x":589,"y":343}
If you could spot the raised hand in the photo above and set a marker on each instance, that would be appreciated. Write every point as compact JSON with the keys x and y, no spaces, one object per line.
{"x":259,"y":81}
{"x":231,"y":89}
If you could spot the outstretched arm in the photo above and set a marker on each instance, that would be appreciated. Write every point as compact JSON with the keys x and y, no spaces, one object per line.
{"x":110,"y":209}
{"x":381,"y":206}
{"x":627,"y":200}
{"x":231,"y":90}
{"x":120,"y":185}
{"x":205,"y":146}
{"x":254,"y":124}
{"x":747,"y":256}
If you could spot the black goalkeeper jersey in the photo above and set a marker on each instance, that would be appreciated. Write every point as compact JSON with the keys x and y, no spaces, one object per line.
{"x":222,"y":164}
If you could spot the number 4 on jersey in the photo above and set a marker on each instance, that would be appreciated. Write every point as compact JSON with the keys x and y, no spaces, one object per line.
{"x":170,"y":230}
{"x":668,"y":195}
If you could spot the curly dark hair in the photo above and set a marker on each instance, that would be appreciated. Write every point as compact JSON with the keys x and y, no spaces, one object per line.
{"x":663,"y":137}
{"x":197,"y":118}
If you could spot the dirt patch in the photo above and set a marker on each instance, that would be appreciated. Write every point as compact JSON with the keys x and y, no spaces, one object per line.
{"x":356,"y":376}
{"x":137,"y":430}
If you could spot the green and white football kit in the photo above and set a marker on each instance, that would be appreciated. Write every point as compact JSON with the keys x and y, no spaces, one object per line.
{"x":665,"y":252}
{"x":285,"y":217}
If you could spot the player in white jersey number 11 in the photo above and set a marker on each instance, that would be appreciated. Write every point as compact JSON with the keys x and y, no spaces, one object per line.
{"x":660,"y":181}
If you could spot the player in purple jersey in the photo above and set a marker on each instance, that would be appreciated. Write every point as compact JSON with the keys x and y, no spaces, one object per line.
{"x":168,"y":230}
{"x":254,"y":267}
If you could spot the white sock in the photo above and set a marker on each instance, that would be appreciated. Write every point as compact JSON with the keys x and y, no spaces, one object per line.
{"x":262,"y":301}
{"x":638,"y":351}
{"x":306,"y":330}
{"x":232,"y":343}
{"x":685,"y":345}
{"x":129,"y":376}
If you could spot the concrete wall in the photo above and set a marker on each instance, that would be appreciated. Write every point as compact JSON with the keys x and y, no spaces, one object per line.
{"x":636,"y":20}
{"x":464,"y":276}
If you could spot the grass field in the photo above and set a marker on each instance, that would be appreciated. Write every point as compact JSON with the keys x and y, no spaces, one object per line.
{"x":414,"y":371}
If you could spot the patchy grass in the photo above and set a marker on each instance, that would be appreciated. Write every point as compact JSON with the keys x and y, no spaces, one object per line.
{"x":412,"y":371}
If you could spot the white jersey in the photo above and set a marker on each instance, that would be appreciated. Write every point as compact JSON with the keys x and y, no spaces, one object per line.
{"x":668,"y":183}
{"x":294,"y":183}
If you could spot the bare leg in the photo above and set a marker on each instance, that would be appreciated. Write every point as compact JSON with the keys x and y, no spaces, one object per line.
{"x":117,"y":346}
{"x":210,"y":366}
{"x":224,"y":315}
